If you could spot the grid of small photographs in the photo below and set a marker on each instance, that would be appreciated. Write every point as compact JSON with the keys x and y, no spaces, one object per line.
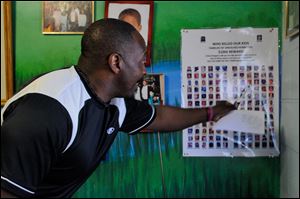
{"x":207,"y":84}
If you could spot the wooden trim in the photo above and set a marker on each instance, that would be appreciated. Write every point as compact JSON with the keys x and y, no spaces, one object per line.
{"x":8,"y":50}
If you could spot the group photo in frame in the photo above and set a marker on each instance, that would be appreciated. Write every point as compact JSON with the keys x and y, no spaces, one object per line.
{"x":152,"y":89}
{"x":67,"y":17}
{"x":139,"y":14}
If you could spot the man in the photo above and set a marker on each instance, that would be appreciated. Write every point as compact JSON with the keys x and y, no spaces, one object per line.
{"x":56,"y":130}
{"x":131,"y":16}
{"x":144,"y":91}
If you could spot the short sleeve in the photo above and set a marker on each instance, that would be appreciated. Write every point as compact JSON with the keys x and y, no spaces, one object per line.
{"x":139,"y":114}
{"x":34,"y":132}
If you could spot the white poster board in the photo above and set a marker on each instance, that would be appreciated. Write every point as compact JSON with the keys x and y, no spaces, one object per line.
{"x":218,"y":64}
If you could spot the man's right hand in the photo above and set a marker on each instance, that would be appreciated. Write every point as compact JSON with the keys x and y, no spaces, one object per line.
{"x":221,"y":109}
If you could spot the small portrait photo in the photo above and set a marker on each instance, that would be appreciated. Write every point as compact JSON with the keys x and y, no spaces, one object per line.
{"x":234,"y":68}
{"x":271,"y":68}
{"x":67,"y":17}
{"x":224,"y":68}
{"x":263,"y":75}
{"x":152,"y":89}
{"x":259,"y":38}
{"x":271,"y":75}
{"x":137,"y":13}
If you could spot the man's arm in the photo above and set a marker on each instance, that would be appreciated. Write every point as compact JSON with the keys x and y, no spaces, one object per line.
{"x":5,"y":194}
{"x":174,"y":118}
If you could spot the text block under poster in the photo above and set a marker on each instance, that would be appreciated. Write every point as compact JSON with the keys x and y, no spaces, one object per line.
{"x":231,"y":64}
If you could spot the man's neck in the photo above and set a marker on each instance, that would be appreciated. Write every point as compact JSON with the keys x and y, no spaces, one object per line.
{"x":99,"y":84}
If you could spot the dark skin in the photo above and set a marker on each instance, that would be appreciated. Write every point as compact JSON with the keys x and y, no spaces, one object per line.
{"x":109,"y":83}
{"x":5,"y":194}
{"x":118,"y":77}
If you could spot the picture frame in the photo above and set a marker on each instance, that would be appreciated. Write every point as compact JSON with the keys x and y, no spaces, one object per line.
{"x":6,"y":52}
{"x":66,"y":17}
{"x":130,"y":11}
{"x":152,"y":89}
{"x":291,"y":18}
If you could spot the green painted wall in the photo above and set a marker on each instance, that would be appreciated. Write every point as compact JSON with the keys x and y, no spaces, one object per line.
{"x":133,"y":168}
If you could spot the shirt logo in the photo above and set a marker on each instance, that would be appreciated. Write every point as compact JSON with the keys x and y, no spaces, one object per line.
{"x":110,"y":130}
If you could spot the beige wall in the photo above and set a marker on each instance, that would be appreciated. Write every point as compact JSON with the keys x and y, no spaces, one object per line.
{"x":289,"y":178}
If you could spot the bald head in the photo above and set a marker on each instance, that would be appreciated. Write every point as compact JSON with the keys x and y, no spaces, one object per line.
{"x":104,"y":37}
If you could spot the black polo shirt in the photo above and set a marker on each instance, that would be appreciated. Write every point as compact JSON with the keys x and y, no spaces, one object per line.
{"x":55,"y":132}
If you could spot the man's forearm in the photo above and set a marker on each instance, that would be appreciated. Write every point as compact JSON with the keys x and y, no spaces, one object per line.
{"x":173,"y":118}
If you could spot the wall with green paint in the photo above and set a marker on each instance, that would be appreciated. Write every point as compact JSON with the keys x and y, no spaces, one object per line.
{"x":133,"y":167}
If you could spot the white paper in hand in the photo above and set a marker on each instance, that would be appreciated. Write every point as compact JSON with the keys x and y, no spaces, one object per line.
{"x":244,"y":121}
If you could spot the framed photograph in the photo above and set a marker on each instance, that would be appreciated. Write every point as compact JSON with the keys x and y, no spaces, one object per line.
{"x":137,"y":13}
{"x":151,"y":89}
{"x":67,"y":17}
{"x":291,"y":18}
{"x":6,"y":52}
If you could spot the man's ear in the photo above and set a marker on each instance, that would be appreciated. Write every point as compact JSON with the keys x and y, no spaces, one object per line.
{"x":114,"y":60}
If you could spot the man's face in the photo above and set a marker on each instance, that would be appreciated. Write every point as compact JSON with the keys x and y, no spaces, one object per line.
{"x":134,"y":69}
{"x":132,"y":20}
